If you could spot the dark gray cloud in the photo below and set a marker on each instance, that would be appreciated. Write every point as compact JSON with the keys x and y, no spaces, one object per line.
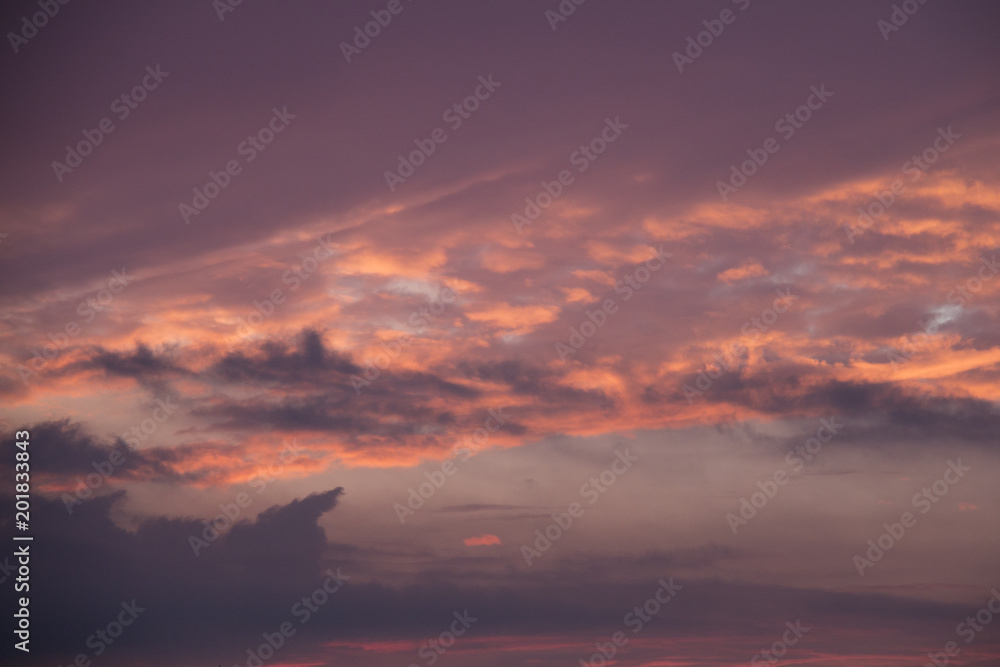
{"x":84,"y":566}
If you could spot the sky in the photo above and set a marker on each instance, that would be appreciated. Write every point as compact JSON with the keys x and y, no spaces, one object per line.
{"x":376,"y":333}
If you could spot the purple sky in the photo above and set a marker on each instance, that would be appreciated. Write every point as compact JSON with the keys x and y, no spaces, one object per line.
{"x":705,"y":292}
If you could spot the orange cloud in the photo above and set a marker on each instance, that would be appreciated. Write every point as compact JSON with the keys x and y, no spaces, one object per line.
{"x":515,"y":319}
{"x":481,"y":541}
{"x":577,"y":295}
{"x":746,"y":270}
{"x":611,"y":255}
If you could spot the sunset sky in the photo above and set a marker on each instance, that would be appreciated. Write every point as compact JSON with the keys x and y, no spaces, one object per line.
{"x":502,"y":333}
